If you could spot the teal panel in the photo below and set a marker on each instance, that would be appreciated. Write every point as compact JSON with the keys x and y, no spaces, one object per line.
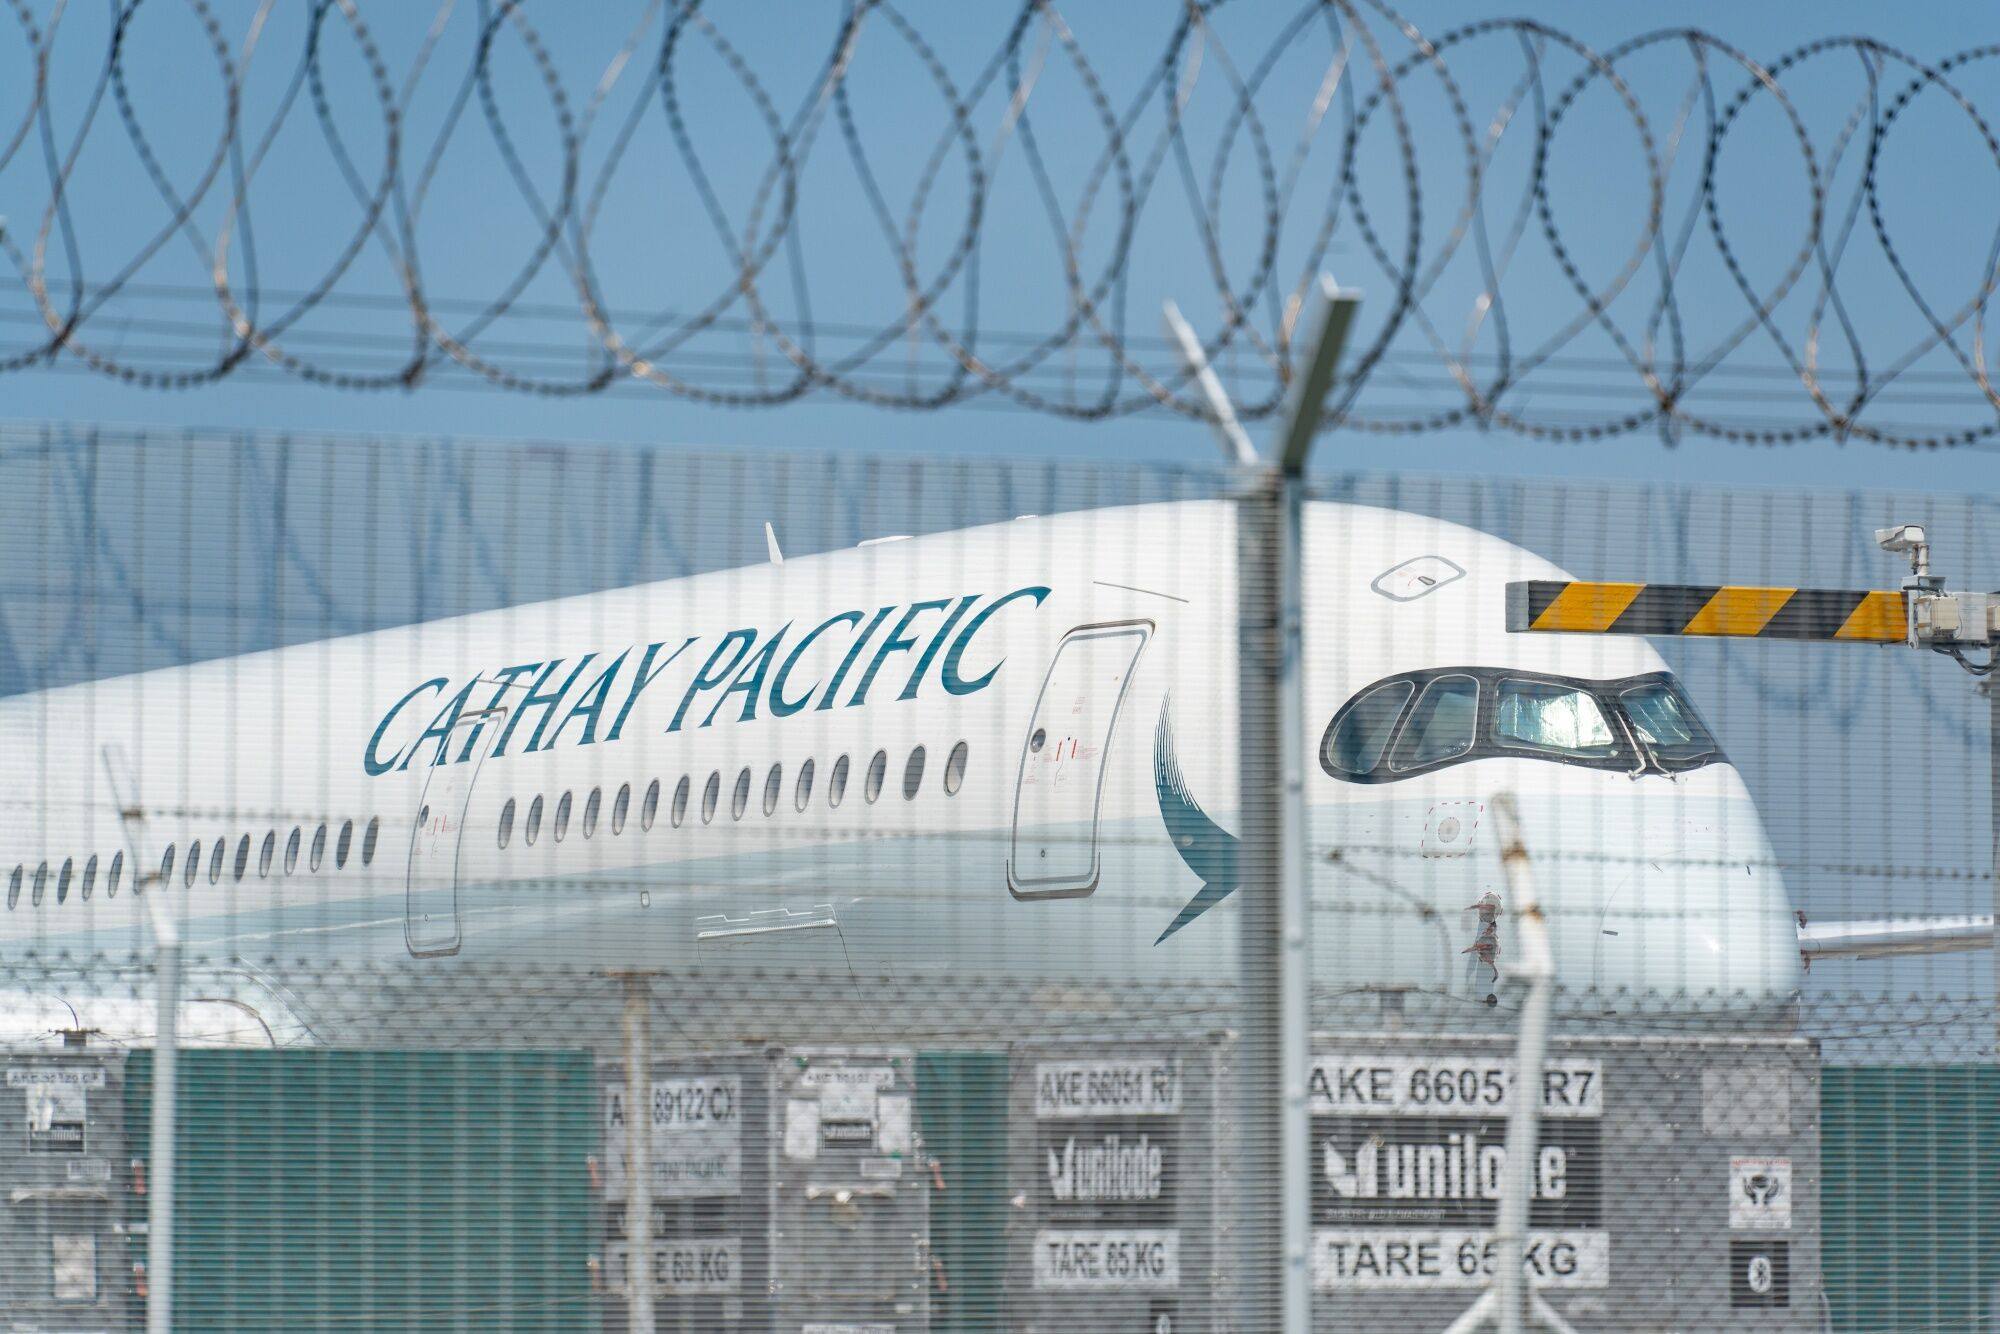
{"x":962,"y":1100}
{"x":1910,"y":1202}
{"x":370,"y":1190}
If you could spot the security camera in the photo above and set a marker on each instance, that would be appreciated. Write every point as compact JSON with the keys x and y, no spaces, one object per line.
{"x":1909,"y":539}
{"x":1903,"y":537}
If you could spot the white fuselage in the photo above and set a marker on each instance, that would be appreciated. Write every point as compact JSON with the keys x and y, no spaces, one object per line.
{"x":1070,"y":682}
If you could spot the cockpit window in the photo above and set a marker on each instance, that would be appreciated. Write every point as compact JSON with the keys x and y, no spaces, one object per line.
{"x":1355,"y":742}
{"x":1420,"y":721}
{"x":1568,"y":720}
{"x":1442,"y":726}
{"x":1667,"y":725}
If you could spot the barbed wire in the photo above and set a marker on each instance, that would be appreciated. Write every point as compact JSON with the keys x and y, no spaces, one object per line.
{"x":1555,"y":240}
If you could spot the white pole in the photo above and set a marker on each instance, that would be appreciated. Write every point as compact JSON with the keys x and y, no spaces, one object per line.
{"x":1536,"y":968}
{"x":160,"y":1177}
{"x":1992,"y":690}
{"x":166,"y":1046}
{"x":638,"y":1154}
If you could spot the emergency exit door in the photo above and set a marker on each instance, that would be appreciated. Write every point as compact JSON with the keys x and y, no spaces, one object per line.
{"x":1059,"y":794}
{"x":444,"y":796}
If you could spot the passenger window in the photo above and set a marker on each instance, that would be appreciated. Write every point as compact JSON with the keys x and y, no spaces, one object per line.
{"x":739,"y":800}
{"x":189,"y":868}
{"x":340,"y":848}
{"x":167,"y":865}
{"x":651,"y":809}
{"x":619,"y":807}
{"x":836,"y":786}
{"x":562,"y":817}
{"x":1444,"y":723}
{"x":680,"y":810}
{"x":41,"y":883}
{"x":1667,"y":723}
{"x":954,"y":769}
{"x":710,"y":795}
{"x":803,"y":791}
{"x":292,"y":851}
{"x":63,"y":878}
{"x":1563,"y":720}
{"x":506,"y":829}
{"x":590,"y":809}
{"x":318,"y":847}
{"x":14,"y":887}
{"x":878,"y":769}
{"x":913,"y":774}
{"x":774,"y":784}
{"x":89,"y":877}
{"x":368,"y":839}
{"x":242,"y":856}
{"x":216,"y":852}
{"x":534,"y":829}
{"x":111,"y":876}
{"x":1355,"y":741}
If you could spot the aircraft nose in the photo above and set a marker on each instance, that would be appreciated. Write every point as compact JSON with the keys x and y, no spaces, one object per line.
{"x":1684,"y":925}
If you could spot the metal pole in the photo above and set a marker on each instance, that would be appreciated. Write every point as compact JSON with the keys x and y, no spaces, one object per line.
{"x":160,"y":1180}
{"x":166,"y":1044}
{"x":1263,"y":1270}
{"x":1275,"y":945}
{"x":1295,"y":922}
{"x":1274,"y":941}
{"x":1993,"y":761}
{"x":638,"y":1154}
{"x":1536,"y":968}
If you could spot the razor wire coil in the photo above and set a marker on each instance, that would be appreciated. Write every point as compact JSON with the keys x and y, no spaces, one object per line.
{"x":1464,"y":181}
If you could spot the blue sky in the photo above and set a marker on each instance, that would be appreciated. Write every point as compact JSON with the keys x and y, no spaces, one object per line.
{"x":652,"y":247}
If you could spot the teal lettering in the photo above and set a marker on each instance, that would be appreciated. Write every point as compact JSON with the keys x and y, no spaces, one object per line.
{"x":644,"y":679}
{"x":376,"y":768}
{"x":949,"y":673}
{"x":504,"y":681}
{"x":895,"y":643}
{"x":782,"y":707}
{"x":937,"y":642}
{"x":548,"y":703}
{"x":750,"y":679}
{"x":447,"y":718}
{"x":709,"y":677}
{"x":536,"y":696}
{"x":588,"y":705}
{"x":854,"y":652}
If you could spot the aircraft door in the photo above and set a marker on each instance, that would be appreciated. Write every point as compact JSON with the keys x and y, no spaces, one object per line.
{"x":431,"y":924}
{"x":1059,"y":793}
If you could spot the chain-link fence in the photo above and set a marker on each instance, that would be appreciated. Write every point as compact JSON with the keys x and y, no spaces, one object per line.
{"x":882,"y":867}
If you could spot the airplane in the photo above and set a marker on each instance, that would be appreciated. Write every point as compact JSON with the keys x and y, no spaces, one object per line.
{"x":998,"y":758}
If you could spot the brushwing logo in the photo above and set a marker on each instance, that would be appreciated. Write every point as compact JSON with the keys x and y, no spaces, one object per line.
{"x":1209,"y":850}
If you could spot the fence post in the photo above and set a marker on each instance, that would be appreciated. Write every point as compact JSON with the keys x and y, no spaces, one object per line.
{"x":165,"y":1121}
{"x":1275,"y":942}
{"x":166,"y":1105}
{"x":638,"y":1153}
{"x":1992,"y":690}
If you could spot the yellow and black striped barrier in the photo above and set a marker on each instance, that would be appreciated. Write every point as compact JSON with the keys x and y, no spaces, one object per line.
{"x":1853,"y":616}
